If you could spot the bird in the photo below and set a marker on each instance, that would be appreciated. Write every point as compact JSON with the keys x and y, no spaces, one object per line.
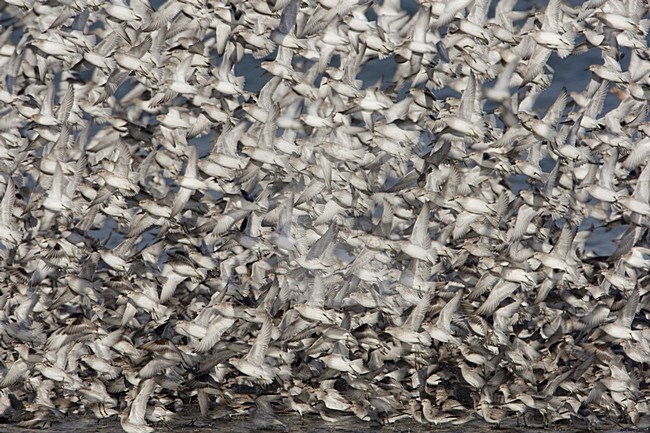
{"x":253,"y":364}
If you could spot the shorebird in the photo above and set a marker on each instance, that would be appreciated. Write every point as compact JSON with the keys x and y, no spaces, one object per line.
{"x":264,"y":417}
{"x":441,"y":330}
{"x":8,"y":230}
{"x":253,"y":364}
{"x":189,"y":183}
{"x":135,"y":421}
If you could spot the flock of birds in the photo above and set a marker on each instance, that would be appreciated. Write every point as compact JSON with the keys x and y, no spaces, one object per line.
{"x":170,"y":237}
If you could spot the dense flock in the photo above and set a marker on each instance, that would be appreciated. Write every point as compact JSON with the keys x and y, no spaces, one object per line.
{"x":416,"y":247}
